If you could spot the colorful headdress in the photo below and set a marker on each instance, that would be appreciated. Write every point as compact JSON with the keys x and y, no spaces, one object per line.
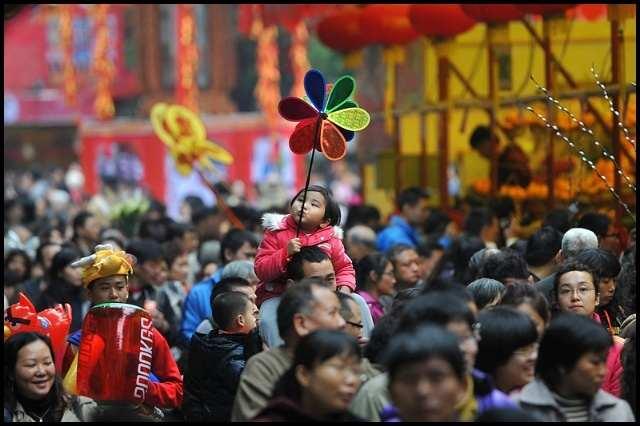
{"x":105,"y":262}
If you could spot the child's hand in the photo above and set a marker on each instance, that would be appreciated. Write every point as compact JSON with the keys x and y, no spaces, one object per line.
{"x":293,"y":246}
{"x":344,"y":289}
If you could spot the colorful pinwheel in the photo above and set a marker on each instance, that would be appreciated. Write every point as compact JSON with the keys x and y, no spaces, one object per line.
{"x":326,"y":126}
{"x":184,"y":134}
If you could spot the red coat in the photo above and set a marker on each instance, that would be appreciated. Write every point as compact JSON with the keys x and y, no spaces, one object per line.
{"x":271,"y":259}
{"x":613,"y":378}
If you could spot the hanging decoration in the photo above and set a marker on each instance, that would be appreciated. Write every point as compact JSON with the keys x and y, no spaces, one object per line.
{"x":184,"y":134}
{"x":70,"y":83}
{"x":267,"y":89}
{"x":187,"y":58}
{"x":325,"y":126}
{"x":298,"y":57}
{"x":102,"y":65}
{"x":343,"y":32}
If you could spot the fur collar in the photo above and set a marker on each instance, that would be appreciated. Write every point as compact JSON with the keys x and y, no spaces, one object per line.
{"x":275,"y":222}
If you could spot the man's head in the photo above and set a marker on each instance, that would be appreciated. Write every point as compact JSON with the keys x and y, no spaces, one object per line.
{"x":86,"y":227}
{"x":575,"y":240}
{"x":235,"y":284}
{"x":151,"y":268}
{"x":482,"y":140}
{"x":429,"y":254}
{"x":507,"y":267}
{"x":360,"y":241}
{"x":406,"y":265}
{"x":238,"y":244}
{"x":604,"y":229}
{"x":412,"y":205}
{"x":105,"y":274}
{"x":311,"y":262}
{"x":543,"y":247}
{"x":243,"y":269}
{"x":482,"y":222}
{"x":235,"y":313}
{"x":607,"y":267}
{"x":210,"y":223}
{"x":351,"y":314}
{"x":308,"y":306}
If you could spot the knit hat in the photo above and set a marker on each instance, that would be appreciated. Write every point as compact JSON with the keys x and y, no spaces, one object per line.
{"x":105,"y":262}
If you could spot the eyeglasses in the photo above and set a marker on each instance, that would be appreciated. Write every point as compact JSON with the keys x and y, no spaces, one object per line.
{"x":582,"y":291}
{"x":355,"y":324}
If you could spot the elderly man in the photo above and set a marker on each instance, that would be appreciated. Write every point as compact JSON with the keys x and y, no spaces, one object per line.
{"x":105,"y":275}
{"x":359,"y":242}
{"x":574,"y":241}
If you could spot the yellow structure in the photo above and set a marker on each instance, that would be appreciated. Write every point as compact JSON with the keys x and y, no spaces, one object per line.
{"x":577,"y":44}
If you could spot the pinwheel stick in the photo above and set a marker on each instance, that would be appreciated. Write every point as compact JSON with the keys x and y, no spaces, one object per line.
{"x":235,"y":222}
{"x":316,"y":141}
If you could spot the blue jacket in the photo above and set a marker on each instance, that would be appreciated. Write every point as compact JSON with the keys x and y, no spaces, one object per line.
{"x":197,"y":306}
{"x":398,"y":232}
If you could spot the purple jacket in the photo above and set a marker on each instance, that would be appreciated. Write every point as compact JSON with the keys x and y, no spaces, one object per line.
{"x":487,"y":397}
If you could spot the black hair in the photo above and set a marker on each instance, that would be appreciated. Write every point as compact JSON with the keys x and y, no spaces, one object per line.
{"x":80,"y":219}
{"x":156,"y":229}
{"x":145,"y":250}
{"x":440,"y":307}
{"x":510,"y":415}
{"x":312,"y":350}
{"x":226,"y":285}
{"x":518,"y":293}
{"x":508,"y":264}
{"x":11,"y":348}
{"x":310,"y":254}
{"x":234,"y":240}
{"x":477,"y":219}
{"x":362,"y":215}
{"x":202,"y":213}
{"x":603,"y":262}
{"x":171,"y":250}
{"x":296,"y":299}
{"x":441,"y":285}
{"x":227,"y":306}
{"x":520,"y":247}
{"x":426,"y":249}
{"x":542,"y":246}
{"x":381,"y":334}
{"x":401,"y":299}
{"x":27,"y":262}
{"x":436,"y":222}
{"x":479,"y":135}
{"x":61,"y":260}
{"x":178,"y":230}
{"x":411,"y":196}
{"x":558,"y":219}
{"x":503,"y":330}
{"x":573,"y":265}
{"x":460,"y":253}
{"x":598,"y":223}
{"x":424,"y":343}
{"x":248,"y":216}
{"x":478,"y":259}
{"x":568,"y":337}
{"x":332,"y":209}
{"x":485,"y":291}
{"x":376,"y":262}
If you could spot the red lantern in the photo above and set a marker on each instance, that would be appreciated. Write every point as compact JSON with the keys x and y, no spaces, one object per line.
{"x":440,"y":20}
{"x":589,"y":12}
{"x":389,"y":23}
{"x":342,"y":31}
{"x":544,"y":9}
{"x":492,"y":13}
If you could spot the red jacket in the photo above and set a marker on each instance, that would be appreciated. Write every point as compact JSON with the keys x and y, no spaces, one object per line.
{"x":271,"y":259}
{"x":613,"y":378}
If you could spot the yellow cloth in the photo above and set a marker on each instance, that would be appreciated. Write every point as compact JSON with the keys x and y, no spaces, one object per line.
{"x":468,"y":407}
{"x":105,"y":263}
{"x":70,"y":379}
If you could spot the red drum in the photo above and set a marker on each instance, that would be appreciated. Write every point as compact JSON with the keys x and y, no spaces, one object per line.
{"x":116,"y":349}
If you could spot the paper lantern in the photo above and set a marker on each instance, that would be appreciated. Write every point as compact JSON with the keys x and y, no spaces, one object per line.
{"x":389,"y":24}
{"x":492,"y":13}
{"x":440,"y":20}
{"x":342,"y":31}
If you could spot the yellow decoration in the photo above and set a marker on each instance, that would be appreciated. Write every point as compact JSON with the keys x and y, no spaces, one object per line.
{"x":353,"y":60}
{"x":182,"y":131}
{"x":391,"y":56}
{"x":102,"y":65}
{"x":71,"y":378}
{"x":105,"y":262}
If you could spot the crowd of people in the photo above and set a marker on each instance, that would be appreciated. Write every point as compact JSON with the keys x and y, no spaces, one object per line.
{"x":308,"y":314}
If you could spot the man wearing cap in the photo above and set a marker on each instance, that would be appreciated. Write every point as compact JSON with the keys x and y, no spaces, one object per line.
{"x":105,"y":275}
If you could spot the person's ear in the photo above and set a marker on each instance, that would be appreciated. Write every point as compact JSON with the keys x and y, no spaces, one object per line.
{"x":289,"y":282}
{"x":597,"y":299}
{"x":303,"y":376}
{"x":228,"y":254}
{"x":325,"y":223}
{"x":299,"y":324}
{"x":558,"y":257}
{"x":241,"y":320}
{"x":373,"y":276}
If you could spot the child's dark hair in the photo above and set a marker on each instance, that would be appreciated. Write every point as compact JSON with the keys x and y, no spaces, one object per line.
{"x":227,"y":306}
{"x":331,"y":210}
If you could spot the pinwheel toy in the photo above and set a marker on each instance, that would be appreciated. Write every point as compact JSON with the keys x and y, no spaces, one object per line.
{"x":323,"y":125}
{"x":182,"y":131}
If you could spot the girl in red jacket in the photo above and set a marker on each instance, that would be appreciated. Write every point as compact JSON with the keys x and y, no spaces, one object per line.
{"x":320,"y":216}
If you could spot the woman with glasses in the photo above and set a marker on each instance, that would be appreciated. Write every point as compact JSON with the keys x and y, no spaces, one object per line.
{"x":570,"y":370}
{"x":575,"y":289}
{"x":375,"y":278}
{"x":508,"y":348}
{"x":321,"y":382}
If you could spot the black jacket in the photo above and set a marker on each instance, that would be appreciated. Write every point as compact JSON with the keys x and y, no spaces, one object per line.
{"x":213,"y":373}
{"x":283,"y":409}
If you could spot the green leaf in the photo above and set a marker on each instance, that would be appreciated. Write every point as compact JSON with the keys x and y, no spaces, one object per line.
{"x":354,"y":119}
{"x":349,"y":103}
{"x":341,"y":91}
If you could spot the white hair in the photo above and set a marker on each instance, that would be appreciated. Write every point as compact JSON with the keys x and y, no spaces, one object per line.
{"x":361,"y":234}
{"x":576,"y":240}
{"x":239,"y":268}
